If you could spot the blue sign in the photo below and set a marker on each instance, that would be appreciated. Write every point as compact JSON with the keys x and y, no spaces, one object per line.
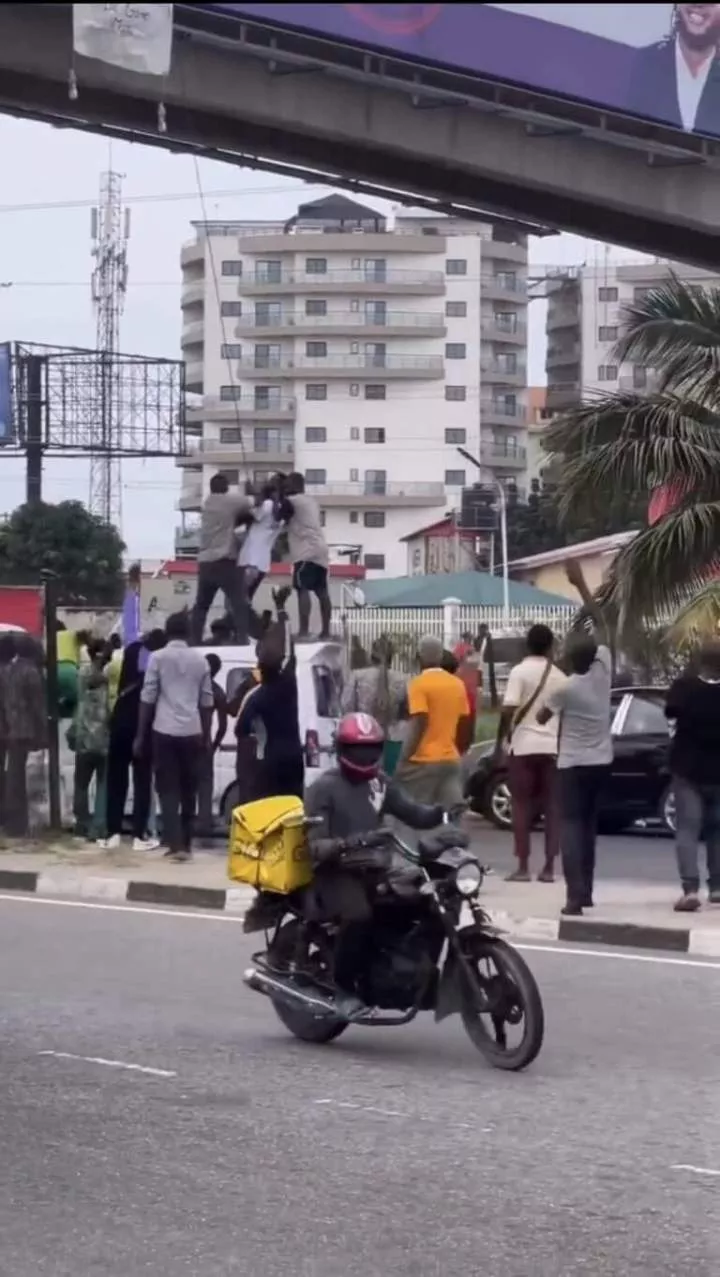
{"x":7,"y":423}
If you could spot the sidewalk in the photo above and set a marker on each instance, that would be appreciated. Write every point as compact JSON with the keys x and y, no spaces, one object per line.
{"x":634,"y":914}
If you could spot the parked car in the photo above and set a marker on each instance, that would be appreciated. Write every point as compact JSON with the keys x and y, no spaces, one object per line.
{"x":639,"y":787}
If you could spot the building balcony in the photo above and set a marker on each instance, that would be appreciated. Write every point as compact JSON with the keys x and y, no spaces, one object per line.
{"x":321,"y":241}
{"x":193,"y":334}
{"x":194,"y":373}
{"x":215,"y":409}
{"x":192,"y":292}
{"x":495,"y":372}
{"x":378,"y":496}
{"x":498,"y":251}
{"x":341,"y":323}
{"x":563,"y":395}
{"x":347,"y":367}
{"x":503,"y":456}
{"x":497,"y":413}
{"x":187,"y":541}
{"x":359,"y":283}
{"x":276,"y":452}
{"x":563,"y":353}
{"x":191,"y":496}
{"x":193,"y":251}
{"x":502,"y":288}
{"x":562,"y":317}
{"x":494,"y":329}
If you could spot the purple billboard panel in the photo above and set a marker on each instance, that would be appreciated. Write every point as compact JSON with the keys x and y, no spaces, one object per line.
{"x":660,"y":62}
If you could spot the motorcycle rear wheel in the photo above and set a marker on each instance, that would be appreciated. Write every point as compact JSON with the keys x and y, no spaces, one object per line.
{"x":302,"y":1024}
{"x":510,"y":992}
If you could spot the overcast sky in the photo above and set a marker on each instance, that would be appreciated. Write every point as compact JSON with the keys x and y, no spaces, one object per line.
{"x":45,"y":260}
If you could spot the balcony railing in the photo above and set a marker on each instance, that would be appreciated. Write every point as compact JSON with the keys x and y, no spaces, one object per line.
{"x":333,"y":319}
{"x":513,"y":412}
{"x":375,"y":489}
{"x":498,"y":454}
{"x":246,"y":404}
{"x":419,"y":363}
{"x":245,"y":444}
{"x":379,"y":277}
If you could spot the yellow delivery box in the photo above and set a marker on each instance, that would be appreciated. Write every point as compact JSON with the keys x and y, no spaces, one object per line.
{"x":268,"y":848}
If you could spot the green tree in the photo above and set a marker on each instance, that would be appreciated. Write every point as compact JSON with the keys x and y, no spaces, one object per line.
{"x":535,"y":526}
{"x":83,"y":552}
{"x":668,"y":439}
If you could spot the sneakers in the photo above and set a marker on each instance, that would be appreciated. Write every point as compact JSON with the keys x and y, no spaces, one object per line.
{"x":689,"y":902}
{"x":145,"y":844}
{"x":110,"y":844}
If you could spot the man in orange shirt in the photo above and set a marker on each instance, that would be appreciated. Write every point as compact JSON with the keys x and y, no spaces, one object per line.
{"x":439,"y":731}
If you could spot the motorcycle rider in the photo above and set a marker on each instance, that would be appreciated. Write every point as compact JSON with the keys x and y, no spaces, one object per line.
{"x":348,"y":801}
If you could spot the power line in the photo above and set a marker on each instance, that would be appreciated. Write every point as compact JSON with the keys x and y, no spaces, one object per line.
{"x":53,"y":206}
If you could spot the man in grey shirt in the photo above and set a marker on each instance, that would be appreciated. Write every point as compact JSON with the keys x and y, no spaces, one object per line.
{"x":584,"y":757}
{"x":308,"y":552}
{"x":177,"y":703}
{"x":217,"y":558}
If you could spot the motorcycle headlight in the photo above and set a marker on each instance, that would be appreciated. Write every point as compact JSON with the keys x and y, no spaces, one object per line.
{"x":468,"y":878}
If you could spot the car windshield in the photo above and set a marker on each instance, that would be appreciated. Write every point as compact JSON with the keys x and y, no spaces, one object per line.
{"x":645,"y":717}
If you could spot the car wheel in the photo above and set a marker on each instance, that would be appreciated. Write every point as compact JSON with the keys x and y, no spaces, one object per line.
{"x":666,"y":811}
{"x":497,"y":806}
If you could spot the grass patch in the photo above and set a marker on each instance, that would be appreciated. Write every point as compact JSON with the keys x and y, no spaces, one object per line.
{"x":486,"y":726}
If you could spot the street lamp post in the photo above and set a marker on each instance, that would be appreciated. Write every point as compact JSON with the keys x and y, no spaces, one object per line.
{"x":502,"y":502}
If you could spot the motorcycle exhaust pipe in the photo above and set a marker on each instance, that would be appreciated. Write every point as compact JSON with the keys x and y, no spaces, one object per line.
{"x":276,"y":987}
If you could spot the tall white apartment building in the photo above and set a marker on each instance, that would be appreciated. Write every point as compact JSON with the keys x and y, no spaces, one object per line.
{"x":362,"y":356}
{"x":584,"y":321}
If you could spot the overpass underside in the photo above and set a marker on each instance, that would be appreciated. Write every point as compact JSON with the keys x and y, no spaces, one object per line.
{"x":244,"y":94}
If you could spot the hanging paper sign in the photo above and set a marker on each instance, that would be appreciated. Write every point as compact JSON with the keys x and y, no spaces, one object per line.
{"x":135,"y":37}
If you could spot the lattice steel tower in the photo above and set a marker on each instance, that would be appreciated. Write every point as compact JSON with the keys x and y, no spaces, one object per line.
{"x":110,"y":231}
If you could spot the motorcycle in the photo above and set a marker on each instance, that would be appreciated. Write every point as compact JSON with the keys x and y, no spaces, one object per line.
{"x":430,"y":947}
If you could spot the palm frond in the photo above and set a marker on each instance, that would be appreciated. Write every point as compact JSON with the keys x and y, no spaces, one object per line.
{"x":623,"y":444}
{"x":699,"y":619}
{"x":676,"y":330}
{"x":664,"y":566}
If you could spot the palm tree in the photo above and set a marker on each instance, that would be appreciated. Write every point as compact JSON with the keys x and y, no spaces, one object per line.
{"x":668,"y":440}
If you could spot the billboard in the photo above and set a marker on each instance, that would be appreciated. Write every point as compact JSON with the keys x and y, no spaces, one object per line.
{"x":7,"y":424}
{"x":660,"y":62}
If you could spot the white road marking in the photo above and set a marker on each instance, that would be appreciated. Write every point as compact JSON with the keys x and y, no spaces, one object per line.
{"x":696,"y":1170}
{"x":109,"y":1064}
{"x":212,"y":915}
{"x":395,"y":1113}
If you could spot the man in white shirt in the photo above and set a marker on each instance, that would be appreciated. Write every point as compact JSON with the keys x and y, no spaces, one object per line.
{"x":532,"y":748}
{"x":255,"y":553}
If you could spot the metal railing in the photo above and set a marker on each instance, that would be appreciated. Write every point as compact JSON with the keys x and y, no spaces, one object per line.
{"x":333,"y":318}
{"x":419,"y":363}
{"x":374,"y":489}
{"x":377,"y":277}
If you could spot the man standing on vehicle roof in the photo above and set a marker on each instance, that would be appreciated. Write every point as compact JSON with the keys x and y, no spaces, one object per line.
{"x":308,"y":552}
{"x":532,"y":749}
{"x":217,"y":558}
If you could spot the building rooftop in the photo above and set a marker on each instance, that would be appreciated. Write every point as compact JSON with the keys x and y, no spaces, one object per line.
{"x":477,"y":589}
{"x":581,"y":549}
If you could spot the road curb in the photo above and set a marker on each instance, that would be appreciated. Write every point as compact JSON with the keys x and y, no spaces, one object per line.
{"x":697,"y":941}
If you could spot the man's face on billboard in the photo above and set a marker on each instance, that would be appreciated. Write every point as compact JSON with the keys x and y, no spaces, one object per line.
{"x":699,"y":24}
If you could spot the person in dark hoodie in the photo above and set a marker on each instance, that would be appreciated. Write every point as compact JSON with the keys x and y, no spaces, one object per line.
{"x":123,"y":731}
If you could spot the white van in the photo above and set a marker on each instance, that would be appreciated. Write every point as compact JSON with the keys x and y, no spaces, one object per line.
{"x":320,"y":673}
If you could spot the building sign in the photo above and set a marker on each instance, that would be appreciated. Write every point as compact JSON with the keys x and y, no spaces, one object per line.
{"x":7,"y":422}
{"x":658,"y":62}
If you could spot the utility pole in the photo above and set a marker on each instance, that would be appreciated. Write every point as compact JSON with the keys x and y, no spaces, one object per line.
{"x":110,"y":231}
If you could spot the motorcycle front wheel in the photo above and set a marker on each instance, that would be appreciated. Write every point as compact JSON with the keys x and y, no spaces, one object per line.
{"x":504,"y":1016}
{"x":301,"y":1023}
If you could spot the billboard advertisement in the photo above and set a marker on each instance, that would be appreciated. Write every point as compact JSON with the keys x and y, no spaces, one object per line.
{"x":7,"y":424}
{"x":660,"y":62}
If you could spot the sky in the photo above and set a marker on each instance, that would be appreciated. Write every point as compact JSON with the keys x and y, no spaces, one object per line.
{"x":46,"y":265}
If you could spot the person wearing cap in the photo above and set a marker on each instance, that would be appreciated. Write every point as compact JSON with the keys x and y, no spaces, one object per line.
{"x":439,"y":731}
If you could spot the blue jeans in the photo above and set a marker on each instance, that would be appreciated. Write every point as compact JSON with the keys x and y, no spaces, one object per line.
{"x":697,"y":814}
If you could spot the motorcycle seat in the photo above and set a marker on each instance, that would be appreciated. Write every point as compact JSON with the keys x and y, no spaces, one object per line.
{"x":433,"y":845}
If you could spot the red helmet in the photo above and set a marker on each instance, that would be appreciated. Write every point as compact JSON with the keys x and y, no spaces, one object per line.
{"x":359,"y":742}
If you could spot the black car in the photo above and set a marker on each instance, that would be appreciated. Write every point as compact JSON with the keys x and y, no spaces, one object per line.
{"x":639,"y":787}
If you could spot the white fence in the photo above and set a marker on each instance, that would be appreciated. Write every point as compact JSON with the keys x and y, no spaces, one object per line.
{"x":405,"y":625}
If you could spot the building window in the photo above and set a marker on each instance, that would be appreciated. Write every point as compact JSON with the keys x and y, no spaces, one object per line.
{"x":374,"y":435}
{"x":354,"y":476}
{"x":455,"y":350}
{"x":354,"y":389}
{"x":506,"y":320}
{"x":267,"y":313}
{"x":376,"y":482}
{"x":230,"y":393}
{"x":315,"y":390}
{"x":375,"y":562}
{"x":269,"y":271}
{"x":456,"y":436}
{"x":640,"y":292}
{"x":315,"y":434}
{"x":232,"y":476}
{"x":322,"y":518}
{"x":456,"y":266}
{"x":230,"y":434}
{"x":608,"y":294}
{"x":608,"y":372}
{"x":607,"y":332}
{"x":268,"y":354}
{"x":268,"y":396}
{"x":375,"y":392}
{"x":267,"y":439}
{"x":231,"y":350}
{"x":454,"y":478}
{"x":316,"y":265}
{"x":456,"y":394}
{"x":375,"y":269}
{"x":354,"y":433}
{"x":315,"y":306}
{"x":230,"y":310}
{"x":507,"y":361}
{"x":640,"y":377}
{"x":316,"y":349}
{"x":316,"y":477}
{"x":353,"y":516}
{"x":456,"y":310}
{"x":231,"y":268}
{"x":374,"y":518}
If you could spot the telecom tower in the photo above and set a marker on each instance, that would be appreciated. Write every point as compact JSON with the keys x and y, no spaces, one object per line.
{"x":110,"y":231}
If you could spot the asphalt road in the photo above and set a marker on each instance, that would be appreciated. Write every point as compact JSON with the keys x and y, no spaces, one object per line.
{"x":635,"y":856}
{"x":391,"y":1152}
